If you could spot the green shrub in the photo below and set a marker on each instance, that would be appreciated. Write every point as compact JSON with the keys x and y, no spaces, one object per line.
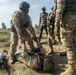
{"x":2,"y":40}
{"x":6,"y":44}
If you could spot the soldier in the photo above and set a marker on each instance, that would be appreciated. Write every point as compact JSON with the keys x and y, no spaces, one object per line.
{"x":50,"y":26}
{"x":50,"y":23}
{"x":66,"y":15}
{"x":20,"y":22}
{"x":36,"y":61}
{"x":43,"y":22}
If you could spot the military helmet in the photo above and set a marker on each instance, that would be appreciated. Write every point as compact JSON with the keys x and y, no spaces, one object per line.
{"x":44,"y":8}
{"x":48,"y":65}
{"x":24,"y":5}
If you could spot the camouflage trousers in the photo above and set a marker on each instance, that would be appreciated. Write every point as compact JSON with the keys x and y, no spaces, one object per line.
{"x":14,"y":41}
{"x":69,"y":39}
{"x":50,"y":35}
{"x":51,"y":31}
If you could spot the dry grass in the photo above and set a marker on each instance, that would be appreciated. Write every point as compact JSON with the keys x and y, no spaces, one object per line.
{"x":21,"y":69}
{"x":4,"y":37}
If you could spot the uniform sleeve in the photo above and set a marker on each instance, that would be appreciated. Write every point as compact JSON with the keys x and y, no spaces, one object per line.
{"x":59,"y":11}
{"x":30,"y":27}
{"x":16,"y":22}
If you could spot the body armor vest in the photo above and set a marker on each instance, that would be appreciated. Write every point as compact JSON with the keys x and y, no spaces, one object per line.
{"x":70,"y":6}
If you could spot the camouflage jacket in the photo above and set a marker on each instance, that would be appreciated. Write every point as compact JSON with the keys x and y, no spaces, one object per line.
{"x":20,"y":22}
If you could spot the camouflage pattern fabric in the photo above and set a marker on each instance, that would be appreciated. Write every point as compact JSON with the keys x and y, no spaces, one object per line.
{"x":19,"y":24}
{"x":68,"y":30}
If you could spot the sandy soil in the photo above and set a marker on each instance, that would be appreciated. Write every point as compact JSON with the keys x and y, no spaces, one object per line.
{"x":21,"y":69}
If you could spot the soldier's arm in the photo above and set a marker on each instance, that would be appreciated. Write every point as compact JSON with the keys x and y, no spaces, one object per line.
{"x":60,"y":7}
{"x":32,"y":31}
{"x":59,"y":11}
{"x":16,"y":23}
{"x":30,"y":28}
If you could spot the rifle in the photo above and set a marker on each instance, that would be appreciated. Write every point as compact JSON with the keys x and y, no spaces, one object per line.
{"x":4,"y":63}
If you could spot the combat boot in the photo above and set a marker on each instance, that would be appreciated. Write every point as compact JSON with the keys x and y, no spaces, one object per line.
{"x":70,"y":71}
{"x":71,"y":64}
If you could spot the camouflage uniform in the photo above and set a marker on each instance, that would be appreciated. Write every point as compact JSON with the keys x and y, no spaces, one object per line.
{"x":51,"y":37}
{"x":19,"y":24}
{"x":36,"y":61}
{"x":50,"y":26}
{"x":67,"y":13}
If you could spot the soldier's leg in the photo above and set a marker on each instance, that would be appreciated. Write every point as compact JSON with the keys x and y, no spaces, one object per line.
{"x":13,"y":46}
{"x":68,"y":43}
{"x":59,"y":39}
{"x":46,"y":30}
{"x":50,"y":40}
{"x":53,"y":35}
{"x":41,"y":31}
{"x":29,"y":39}
{"x":51,"y":45}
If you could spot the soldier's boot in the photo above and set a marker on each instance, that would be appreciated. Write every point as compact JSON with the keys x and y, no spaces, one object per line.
{"x":70,"y":71}
{"x":71,"y":64}
{"x":52,"y":50}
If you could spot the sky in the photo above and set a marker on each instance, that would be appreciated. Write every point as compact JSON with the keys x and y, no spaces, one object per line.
{"x":8,"y":7}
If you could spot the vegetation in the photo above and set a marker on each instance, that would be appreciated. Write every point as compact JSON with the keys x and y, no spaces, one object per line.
{"x":4,"y":37}
{"x":6,"y":44}
{"x":3,"y":26}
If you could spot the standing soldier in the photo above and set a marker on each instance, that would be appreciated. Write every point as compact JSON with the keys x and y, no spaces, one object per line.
{"x":43,"y":22}
{"x":20,"y":22}
{"x":50,"y":26}
{"x":50,"y":23}
{"x":66,"y":13}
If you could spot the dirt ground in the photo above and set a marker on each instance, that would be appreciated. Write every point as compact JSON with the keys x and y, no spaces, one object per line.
{"x":21,"y":69}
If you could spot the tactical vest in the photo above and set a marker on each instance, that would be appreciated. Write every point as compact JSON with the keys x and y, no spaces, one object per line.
{"x":70,"y":6}
{"x":13,"y":28}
